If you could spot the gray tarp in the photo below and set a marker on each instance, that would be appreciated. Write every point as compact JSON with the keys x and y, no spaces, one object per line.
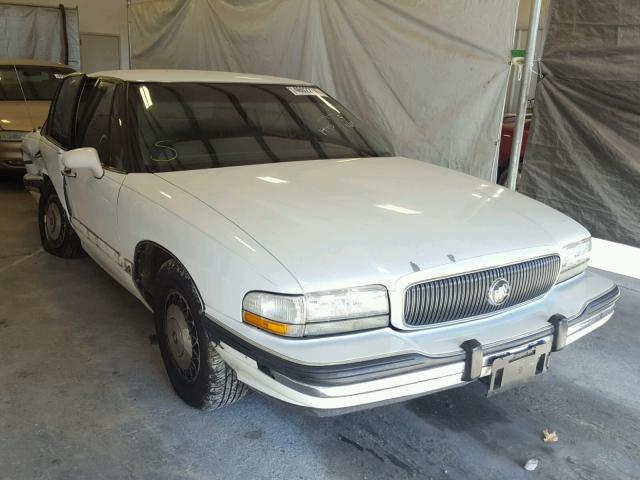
{"x":432,"y":75}
{"x":583,"y":157}
{"x":36,"y":32}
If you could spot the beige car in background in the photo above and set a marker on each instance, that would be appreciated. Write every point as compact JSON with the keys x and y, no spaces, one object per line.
{"x":26,"y":90}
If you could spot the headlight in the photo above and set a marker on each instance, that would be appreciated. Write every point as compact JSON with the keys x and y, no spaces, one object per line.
{"x":320,"y":313}
{"x":11,"y":136}
{"x":575,"y":258}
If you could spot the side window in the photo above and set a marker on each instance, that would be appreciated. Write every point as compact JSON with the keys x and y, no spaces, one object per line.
{"x":62,"y":121}
{"x":94,"y":124}
{"x":117,"y":132}
{"x":81,"y":113}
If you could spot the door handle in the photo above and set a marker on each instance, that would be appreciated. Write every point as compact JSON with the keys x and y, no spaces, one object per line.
{"x":68,"y":173}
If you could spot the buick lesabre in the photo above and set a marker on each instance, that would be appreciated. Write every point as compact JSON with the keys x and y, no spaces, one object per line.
{"x":283,"y":247}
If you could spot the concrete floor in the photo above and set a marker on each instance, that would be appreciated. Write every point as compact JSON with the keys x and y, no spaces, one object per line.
{"x":84,"y":395}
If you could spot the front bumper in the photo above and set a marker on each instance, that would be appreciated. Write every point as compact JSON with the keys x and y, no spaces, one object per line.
{"x":338,"y":388}
{"x":11,"y":156}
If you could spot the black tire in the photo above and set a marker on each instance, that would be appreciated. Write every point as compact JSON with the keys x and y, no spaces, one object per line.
{"x":56,"y":234}
{"x":197,"y":372}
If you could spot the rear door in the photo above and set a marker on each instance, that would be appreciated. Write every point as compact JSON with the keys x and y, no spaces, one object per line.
{"x":58,"y":134}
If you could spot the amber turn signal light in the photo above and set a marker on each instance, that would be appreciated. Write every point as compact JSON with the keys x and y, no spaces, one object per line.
{"x":264,"y":323}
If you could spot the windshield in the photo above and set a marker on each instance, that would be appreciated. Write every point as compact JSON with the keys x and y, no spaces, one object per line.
{"x":38,"y":83}
{"x":186,"y":126}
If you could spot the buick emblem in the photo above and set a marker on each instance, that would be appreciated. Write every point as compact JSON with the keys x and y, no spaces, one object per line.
{"x":498,"y":292}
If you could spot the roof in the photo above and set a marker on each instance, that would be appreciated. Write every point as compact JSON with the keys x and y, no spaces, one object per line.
{"x":31,"y":62}
{"x":206,"y":76}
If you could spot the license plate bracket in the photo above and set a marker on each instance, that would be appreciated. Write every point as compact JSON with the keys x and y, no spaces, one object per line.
{"x":517,"y":368}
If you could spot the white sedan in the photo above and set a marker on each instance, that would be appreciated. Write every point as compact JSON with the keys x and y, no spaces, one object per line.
{"x":282,"y":246}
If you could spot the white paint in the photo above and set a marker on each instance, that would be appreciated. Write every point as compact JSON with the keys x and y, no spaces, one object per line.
{"x":325,"y":230}
{"x":361,"y":393}
{"x":175,"y":75}
{"x":398,"y":209}
{"x":272,"y":180}
{"x":334,"y":223}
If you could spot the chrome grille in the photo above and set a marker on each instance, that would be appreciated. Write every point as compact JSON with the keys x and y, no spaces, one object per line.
{"x":465,"y":296}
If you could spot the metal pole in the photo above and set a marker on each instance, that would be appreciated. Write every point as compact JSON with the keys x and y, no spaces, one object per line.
{"x":129,"y":67}
{"x":516,"y":144}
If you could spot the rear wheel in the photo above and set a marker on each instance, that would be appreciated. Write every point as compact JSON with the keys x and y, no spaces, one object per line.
{"x":197,"y":372}
{"x":56,"y":234}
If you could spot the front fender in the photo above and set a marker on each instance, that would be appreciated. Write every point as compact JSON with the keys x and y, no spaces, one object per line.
{"x":223,"y":260}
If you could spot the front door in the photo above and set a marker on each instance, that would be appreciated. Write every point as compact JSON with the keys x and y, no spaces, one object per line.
{"x":93,"y":201}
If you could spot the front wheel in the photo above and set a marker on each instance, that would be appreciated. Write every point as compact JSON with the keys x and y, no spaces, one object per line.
{"x":56,"y":234}
{"x":196,"y":370}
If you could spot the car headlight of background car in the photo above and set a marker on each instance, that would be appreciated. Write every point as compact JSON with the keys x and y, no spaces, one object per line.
{"x":575,"y":259}
{"x":319,"y":313}
{"x":11,"y":136}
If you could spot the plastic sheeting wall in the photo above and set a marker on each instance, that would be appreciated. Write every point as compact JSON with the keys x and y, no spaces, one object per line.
{"x":432,"y":75}
{"x":35,"y":32}
{"x":516,"y":75}
{"x":583,"y":157}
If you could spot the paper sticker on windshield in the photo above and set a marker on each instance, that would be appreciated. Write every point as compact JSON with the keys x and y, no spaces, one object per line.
{"x":306,"y":91}
{"x":58,"y":75}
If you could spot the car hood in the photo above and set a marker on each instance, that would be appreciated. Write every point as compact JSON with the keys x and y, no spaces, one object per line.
{"x":18,"y":116}
{"x":368,"y":220}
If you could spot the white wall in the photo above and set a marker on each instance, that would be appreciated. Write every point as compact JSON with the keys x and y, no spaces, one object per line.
{"x":110,"y":17}
{"x":97,"y":16}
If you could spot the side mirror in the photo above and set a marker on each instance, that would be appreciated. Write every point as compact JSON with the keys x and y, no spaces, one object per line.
{"x":83,"y":158}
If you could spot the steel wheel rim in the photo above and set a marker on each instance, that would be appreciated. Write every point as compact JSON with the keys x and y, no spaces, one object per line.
{"x":53,"y":222}
{"x":182,"y":337}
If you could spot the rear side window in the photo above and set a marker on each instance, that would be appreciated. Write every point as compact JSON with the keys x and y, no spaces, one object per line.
{"x":62,"y":121}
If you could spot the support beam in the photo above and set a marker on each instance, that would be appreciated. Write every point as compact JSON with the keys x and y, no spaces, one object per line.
{"x":516,"y":144}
